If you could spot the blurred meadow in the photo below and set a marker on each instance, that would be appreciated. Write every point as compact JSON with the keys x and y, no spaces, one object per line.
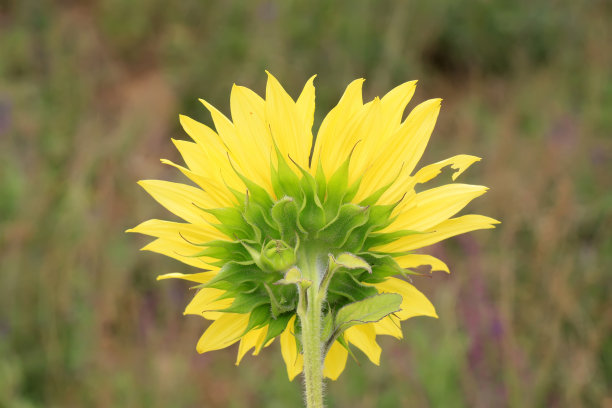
{"x":90,"y":94}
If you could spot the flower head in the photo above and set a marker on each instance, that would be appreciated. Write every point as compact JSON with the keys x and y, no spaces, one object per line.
{"x":274,"y":216}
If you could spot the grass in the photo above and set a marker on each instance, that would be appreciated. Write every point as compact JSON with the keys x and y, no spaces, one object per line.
{"x":90,"y":93}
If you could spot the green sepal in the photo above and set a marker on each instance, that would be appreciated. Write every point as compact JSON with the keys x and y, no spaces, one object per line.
{"x":349,"y":217}
{"x":234,"y":274}
{"x":279,"y":306}
{"x":368,"y":310}
{"x":224,"y":250}
{"x":258,"y":318}
{"x":232,"y":222}
{"x":312,"y":213}
{"x":379,"y":218}
{"x":285,"y":214}
{"x":278,"y":325}
{"x":382,"y":238}
{"x":258,"y":219}
{"x":375,"y":196}
{"x":284,"y":180}
{"x":321,"y":182}
{"x":351,"y":191}
{"x":255,"y":256}
{"x":336,"y":190}
{"x":340,"y":339}
{"x":383,"y":266}
{"x":246,"y":303}
{"x":259,"y":193}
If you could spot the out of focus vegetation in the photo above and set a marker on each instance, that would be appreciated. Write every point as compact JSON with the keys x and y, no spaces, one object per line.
{"x":90,"y":94}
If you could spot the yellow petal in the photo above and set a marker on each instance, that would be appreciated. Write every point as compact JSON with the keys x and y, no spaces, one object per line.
{"x":181,"y":199}
{"x":249,"y":341}
{"x":389,"y":326}
{"x":393,"y":105}
{"x":363,"y":336}
{"x":260,"y":340}
{"x":181,"y":251}
{"x":293,"y":360}
{"x":305,"y":106}
{"x":459,"y":163}
{"x":286,"y":124}
{"x":334,"y":124}
{"x":178,"y":231}
{"x":225,"y":128}
{"x":362,"y":133}
{"x":223,"y":332}
{"x":206,"y":302}
{"x":416,"y":260}
{"x":193,"y":155}
{"x":215,"y":157}
{"x":201,"y":277}
{"x":435,"y":205}
{"x":417,"y":130}
{"x":442,"y":231}
{"x":335,"y":361}
{"x":218,"y":192}
{"x":403,"y":150}
{"x":248,"y":115}
{"x":414,"y":303}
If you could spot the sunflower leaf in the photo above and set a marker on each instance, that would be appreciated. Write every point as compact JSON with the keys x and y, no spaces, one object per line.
{"x":368,"y":310}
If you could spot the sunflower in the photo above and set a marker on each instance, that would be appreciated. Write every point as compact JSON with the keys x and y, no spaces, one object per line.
{"x":309,"y":239}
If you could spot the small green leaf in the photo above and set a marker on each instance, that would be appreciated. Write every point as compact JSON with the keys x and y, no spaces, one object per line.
{"x":327,"y":327}
{"x":293,"y":275}
{"x":350,"y":261}
{"x":368,"y":310}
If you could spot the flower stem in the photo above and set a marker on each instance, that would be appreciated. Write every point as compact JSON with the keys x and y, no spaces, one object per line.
{"x":310,"y":318}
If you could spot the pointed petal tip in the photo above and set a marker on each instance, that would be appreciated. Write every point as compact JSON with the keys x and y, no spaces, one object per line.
{"x":206,"y":104}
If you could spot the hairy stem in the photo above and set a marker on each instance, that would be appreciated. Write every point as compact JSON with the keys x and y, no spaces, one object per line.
{"x":310,"y":318}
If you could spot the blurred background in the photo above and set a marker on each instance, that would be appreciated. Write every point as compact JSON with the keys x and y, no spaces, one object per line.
{"x":90,"y":94}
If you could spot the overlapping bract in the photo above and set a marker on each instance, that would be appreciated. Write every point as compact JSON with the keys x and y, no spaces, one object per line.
{"x":260,"y":199}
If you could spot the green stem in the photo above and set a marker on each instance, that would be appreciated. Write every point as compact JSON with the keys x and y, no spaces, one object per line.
{"x":310,"y":318}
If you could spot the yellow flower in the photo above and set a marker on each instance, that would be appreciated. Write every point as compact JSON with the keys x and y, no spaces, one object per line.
{"x":264,"y":209}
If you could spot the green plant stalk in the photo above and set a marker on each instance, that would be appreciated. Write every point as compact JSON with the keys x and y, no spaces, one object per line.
{"x":310,"y":318}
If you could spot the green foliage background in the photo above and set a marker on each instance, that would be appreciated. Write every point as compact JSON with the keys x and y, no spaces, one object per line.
{"x":90,"y":94}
